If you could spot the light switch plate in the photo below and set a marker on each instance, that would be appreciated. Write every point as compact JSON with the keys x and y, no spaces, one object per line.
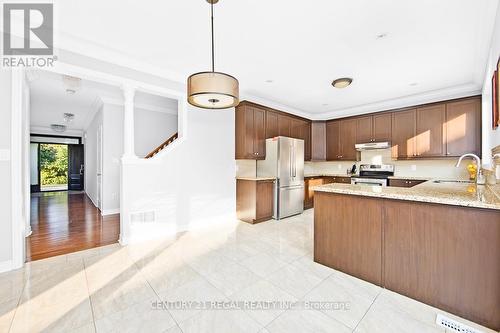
{"x":4,"y":155}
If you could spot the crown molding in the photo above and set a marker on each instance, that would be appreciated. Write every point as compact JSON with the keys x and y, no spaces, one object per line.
{"x":94,"y":50}
{"x":466,"y":90}
{"x":142,"y":106}
{"x":275,"y":105}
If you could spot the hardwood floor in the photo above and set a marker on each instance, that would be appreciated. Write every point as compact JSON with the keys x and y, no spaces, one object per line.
{"x":65,"y":222}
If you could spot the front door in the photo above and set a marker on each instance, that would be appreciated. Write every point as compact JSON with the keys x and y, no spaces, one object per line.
{"x":75,"y":167}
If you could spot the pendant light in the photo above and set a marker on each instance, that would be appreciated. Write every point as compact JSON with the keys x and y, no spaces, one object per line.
{"x":213,"y":90}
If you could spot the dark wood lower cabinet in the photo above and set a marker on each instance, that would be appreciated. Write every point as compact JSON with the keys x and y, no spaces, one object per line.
{"x":445,"y":256}
{"x":346,"y":238}
{"x":404,"y":182}
{"x":254,"y":200}
{"x":310,"y":182}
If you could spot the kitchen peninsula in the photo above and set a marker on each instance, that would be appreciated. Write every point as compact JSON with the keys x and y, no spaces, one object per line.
{"x":436,"y":242}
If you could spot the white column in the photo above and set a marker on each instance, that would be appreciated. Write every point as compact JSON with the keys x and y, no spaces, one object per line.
{"x":128,"y":122}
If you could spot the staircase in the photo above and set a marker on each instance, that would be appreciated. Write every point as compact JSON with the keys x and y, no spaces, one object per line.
{"x":163,"y":145}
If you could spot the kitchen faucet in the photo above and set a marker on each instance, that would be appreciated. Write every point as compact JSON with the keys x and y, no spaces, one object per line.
{"x":480,"y":179}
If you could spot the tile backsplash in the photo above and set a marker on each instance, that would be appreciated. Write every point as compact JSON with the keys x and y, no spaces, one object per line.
{"x":438,"y":168}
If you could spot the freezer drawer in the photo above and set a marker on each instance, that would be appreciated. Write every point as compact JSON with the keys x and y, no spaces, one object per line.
{"x":290,"y":201}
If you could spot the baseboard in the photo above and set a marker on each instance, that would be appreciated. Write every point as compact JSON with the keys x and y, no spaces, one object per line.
{"x":5,"y":266}
{"x":91,"y":199}
{"x":110,"y":211}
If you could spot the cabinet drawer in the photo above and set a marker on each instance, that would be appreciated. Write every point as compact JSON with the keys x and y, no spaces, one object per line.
{"x":404,"y":182}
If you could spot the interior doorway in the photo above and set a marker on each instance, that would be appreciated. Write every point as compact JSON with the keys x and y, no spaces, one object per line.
{"x":57,"y":163}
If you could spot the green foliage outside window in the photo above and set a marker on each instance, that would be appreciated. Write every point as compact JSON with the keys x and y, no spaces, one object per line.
{"x":54,"y":164}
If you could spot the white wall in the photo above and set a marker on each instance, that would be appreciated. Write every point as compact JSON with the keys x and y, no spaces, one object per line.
{"x":151,"y":129}
{"x":90,"y":146}
{"x":5,"y":171}
{"x":112,"y":152}
{"x":189,"y":184}
{"x":110,"y":117}
{"x":491,"y":138}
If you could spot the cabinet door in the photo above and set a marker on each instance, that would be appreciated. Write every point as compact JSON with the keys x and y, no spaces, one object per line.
{"x":259,"y":138}
{"x":403,"y":134}
{"x":264,"y":199}
{"x":430,"y":139}
{"x":296,"y":128}
{"x":284,"y":125}
{"x":307,"y":140}
{"x":364,"y":129}
{"x":318,"y":140}
{"x":382,"y":127}
{"x":332,"y":140}
{"x":300,"y":129}
{"x":271,"y":124}
{"x":309,"y":193}
{"x":463,"y":127}
{"x":348,"y":139}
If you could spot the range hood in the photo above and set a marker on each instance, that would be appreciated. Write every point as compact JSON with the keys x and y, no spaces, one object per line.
{"x":372,"y":145}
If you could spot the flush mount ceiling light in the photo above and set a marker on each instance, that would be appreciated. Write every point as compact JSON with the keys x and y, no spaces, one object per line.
{"x":68,"y":117}
{"x":213,"y":90}
{"x":342,"y":82}
{"x":58,"y":128}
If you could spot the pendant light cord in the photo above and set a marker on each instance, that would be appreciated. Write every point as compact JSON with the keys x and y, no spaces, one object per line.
{"x":212,"y":23}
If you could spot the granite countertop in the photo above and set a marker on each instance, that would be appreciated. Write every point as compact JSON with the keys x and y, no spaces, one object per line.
{"x":255,"y":178}
{"x":457,"y":194}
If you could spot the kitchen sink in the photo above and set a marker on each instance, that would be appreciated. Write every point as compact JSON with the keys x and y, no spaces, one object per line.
{"x":453,"y":181}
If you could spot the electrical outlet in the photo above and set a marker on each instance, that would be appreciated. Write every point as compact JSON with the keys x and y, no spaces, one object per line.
{"x":339,"y":166}
{"x":454,"y":326}
{"x":413,"y":167}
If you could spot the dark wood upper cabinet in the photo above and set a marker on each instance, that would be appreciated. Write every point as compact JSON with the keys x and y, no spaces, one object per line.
{"x":284,"y":125}
{"x":250,"y":132}
{"x":332,"y":140}
{"x":318,"y":141}
{"x":271,"y":124}
{"x":463,"y":127}
{"x":382,"y":127}
{"x":364,"y":129}
{"x":348,"y":139}
{"x":374,"y":128}
{"x":429,"y":138}
{"x":301,"y":129}
{"x":403,"y":133}
{"x":259,"y":118}
{"x":437,"y":130}
{"x":340,"y":140}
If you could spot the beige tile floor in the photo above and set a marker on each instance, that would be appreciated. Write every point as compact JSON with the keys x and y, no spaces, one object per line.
{"x":234,"y":271}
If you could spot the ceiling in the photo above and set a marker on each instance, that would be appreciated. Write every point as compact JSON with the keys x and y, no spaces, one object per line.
{"x":391,"y":48}
{"x":49,"y":101}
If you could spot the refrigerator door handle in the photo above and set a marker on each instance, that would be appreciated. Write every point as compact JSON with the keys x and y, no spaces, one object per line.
{"x":291,"y":160}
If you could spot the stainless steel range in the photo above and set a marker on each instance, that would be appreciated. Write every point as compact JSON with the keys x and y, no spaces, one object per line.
{"x":373,"y":175}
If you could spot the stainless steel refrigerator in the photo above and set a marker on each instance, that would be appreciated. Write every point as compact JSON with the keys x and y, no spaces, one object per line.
{"x":285,"y":162}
